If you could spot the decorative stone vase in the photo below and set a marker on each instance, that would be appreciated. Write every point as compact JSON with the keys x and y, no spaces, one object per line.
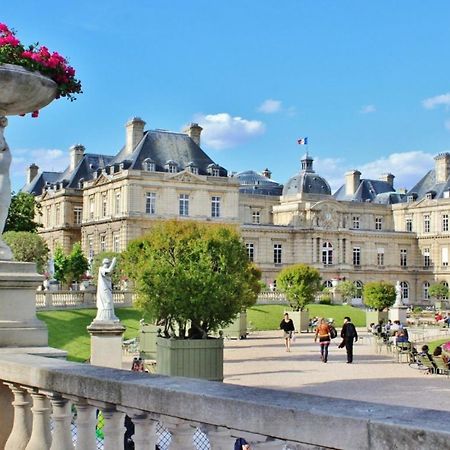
{"x":193,"y":358}
{"x":22,"y":91}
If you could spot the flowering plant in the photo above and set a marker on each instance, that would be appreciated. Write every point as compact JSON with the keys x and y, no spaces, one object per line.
{"x":38,"y":58}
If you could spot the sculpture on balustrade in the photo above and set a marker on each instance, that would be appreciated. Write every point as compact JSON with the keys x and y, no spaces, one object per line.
{"x":105,"y":304}
{"x":398,"y":294}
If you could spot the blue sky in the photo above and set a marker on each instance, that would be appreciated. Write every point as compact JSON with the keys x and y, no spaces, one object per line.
{"x":367,"y":82}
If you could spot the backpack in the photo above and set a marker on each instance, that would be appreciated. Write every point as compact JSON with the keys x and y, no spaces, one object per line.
{"x":333,"y":332}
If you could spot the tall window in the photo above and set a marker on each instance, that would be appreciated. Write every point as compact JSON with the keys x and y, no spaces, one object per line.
{"x":117,"y":206}
{"x":444,"y":222}
{"x":90,"y":240}
{"x":103,"y":243}
{"x":77,"y":214}
{"x":184,"y":204}
{"x":116,"y":243}
{"x":408,"y":224}
{"x":378,"y":223}
{"x":104,"y":205}
{"x":57,"y":215}
{"x":444,"y":253}
{"x":405,"y":291}
{"x":256,"y":217}
{"x":426,"y":289}
{"x":277,"y":253}
{"x":91,"y":207}
{"x":380,"y":256}
{"x":356,"y":256}
{"x":150,"y":203}
{"x":355,"y":222}
{"x":359,"y":289}
{"x":403,"y":257}
{"x":327,"y":284}
{"x":426,"y":257}
{"x":250,"y":251}
{"x":327,"y":253}
{"x":444,"y":283}
{"x":215,"y":206}
{"x":215,"y":172}
{"x":426,"y":223}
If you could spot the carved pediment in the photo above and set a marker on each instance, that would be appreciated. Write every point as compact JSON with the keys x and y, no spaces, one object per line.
{"x":102,"y":179}
{"x":187,"y":177}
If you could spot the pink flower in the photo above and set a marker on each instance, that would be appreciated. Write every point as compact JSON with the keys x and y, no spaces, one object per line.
{"x":35,"y":114}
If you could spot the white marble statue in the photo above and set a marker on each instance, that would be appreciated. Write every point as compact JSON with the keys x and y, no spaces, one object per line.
{"x":105,"y":304}
{"x":398,"y":294}
{"x":5,"y":188}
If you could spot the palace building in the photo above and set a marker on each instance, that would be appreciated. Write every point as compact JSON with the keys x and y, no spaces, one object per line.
{"x":365,"y":231}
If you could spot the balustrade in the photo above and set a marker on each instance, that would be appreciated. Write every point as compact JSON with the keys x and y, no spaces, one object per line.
{"x":45,"y":389}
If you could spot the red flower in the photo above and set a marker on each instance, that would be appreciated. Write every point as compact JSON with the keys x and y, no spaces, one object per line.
{"x":35,"y":114}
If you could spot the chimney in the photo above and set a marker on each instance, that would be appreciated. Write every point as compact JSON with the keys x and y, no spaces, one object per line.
{"x":389,"y":178}
{"x":32,"y":171}
{"x":76,"y":155}
{"x":134,"y":133}
{"x":442,"y":167}
{"x":194,"y":130}
{"x":266,"y":173}
{"x":352,"y":180}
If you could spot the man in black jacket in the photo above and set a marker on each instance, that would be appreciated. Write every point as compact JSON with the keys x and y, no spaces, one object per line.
{"x":348,"y":335}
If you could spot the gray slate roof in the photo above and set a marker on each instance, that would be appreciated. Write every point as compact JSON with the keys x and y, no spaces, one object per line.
{"x":374,"y":191}
{"x":428,"y":184}
{"x":251,"y":182}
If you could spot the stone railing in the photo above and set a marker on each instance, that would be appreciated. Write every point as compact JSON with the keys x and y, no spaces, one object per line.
{"x":78,"y":299}
{"x":271,"y":297}
{"x":38,"y":394}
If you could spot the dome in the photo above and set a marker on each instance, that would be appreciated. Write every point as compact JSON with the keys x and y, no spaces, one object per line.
{"x":251,"y":182}
{"x":307,"y":181}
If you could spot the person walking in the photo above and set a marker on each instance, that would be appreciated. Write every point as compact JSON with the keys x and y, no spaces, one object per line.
{"x":287,"y":325}
{"x":323,"y":333}
{"x":348,"y":335}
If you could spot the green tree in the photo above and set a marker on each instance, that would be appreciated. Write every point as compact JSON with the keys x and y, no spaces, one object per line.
{"x":300,"y":283}
{"x":118,"y":273}
{"x":21,"y":213}
{"x":77,"y":263}
{"x":438,"y":291}
{"x":61,"y":263}
{"x":28,"y":247}
{"x":379,"y":295}
{"x":347,"y":290}
{"x":191,"y":272}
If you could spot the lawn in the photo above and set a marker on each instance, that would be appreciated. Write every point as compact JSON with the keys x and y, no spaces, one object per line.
{"x":67,"y":329}
{"x":433,"y":344}
{"x":268,"y":317}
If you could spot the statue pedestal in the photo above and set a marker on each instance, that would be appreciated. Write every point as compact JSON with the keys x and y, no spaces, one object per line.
{"x":106,"y":343}
{"x":398,"y":312}
{"x":19,"y":326}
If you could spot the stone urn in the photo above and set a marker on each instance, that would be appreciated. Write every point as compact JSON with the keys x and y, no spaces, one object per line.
{"x":21,"y":92}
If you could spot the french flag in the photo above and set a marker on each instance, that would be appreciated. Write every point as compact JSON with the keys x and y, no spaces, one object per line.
{"x":302,"y":141}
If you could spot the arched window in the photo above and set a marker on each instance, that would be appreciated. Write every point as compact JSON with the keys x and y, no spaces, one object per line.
{"x":327,"y":284}
{"x":426,"y":288}
{"x":444,"y":283}
{"x":359,"y":289}
{"x":405,"y":291}
{"x":327,"y":253}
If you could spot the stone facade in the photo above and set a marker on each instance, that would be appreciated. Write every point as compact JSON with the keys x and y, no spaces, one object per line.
{"x":366,"y":231}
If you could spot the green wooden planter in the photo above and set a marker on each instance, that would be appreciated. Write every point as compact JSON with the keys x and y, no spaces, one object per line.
{"x":238,"y":328}
{"x":300,"y":319}
{"x":375,"y":317}
{"x":193,"y":358}
{"x":147,"y":341}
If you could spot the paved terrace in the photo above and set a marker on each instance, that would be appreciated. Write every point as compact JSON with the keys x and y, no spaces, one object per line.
{"x":261,"y":361}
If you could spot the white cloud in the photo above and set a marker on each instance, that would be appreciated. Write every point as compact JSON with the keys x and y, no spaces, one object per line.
{"x":47,"y":159}
{"x":407,"y":167}
{"x":222,"y":131}
{"x":270,"y":106}
{"x":432,"y":102}
{"x":367,"y":109}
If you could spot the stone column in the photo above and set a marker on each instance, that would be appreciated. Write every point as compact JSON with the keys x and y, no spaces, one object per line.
{"x":40,"y":436}
{"x":182,"y":433}
{"x":113,"y":429}
{"x":219,"y":438}
{"x":21,"y":431}
{"x":106,"y":343}
{"x":86,"y":421}
{"x":62,"y":417}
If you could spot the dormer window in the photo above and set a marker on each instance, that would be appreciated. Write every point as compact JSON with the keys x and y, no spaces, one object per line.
{"x":148,"y":165}
{"x":214,"y":170}
{"x":191,"y":167}
{"x":171,"y":166}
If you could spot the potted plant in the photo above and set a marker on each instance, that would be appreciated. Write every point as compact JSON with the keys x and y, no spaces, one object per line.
{"x":378,"y":296}
{"x":300,"y":283}
{"x":193,"y":279}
